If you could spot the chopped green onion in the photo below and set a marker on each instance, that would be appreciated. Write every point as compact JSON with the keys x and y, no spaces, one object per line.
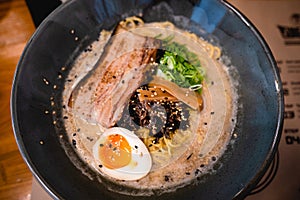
{"x":181,"y":66}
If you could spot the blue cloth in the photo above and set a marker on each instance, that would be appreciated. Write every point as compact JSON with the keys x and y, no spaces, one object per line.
{"x":208,"y":13}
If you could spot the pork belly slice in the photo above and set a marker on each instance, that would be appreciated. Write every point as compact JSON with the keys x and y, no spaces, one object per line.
{"x":101,"y":96}
{"x":126,"y":60}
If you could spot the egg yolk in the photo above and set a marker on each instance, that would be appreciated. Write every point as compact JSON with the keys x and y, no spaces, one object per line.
{"x":115,"y":152}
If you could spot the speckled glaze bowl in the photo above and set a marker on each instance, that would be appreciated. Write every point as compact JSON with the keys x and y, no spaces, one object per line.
{"x":53,"y":45}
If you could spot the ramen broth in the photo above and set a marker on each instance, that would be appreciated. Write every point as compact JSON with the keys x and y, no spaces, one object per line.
{"x":194,"y":149}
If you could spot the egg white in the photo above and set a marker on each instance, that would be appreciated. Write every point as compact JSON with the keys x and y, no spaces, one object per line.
{"x":140,"y":164}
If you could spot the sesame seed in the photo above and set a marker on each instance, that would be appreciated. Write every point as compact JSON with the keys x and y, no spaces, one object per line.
{"x":74,"y":142}
{"x":167,"y":178}
{"x":46,"y":81}
{"x":189,"y":156}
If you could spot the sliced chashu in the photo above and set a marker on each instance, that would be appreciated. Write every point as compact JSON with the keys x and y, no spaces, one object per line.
{"x":101,"y":96}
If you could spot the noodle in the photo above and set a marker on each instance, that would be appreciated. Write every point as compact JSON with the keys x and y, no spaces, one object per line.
{"x":168,"y":25}
{"x":214,"y":51}
{"x":131,"y":22}
{"x":164,"y":147}
{"x":135,"y":22}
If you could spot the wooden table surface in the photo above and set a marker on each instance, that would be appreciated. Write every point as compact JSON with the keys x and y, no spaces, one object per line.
{"x":16,"y":27}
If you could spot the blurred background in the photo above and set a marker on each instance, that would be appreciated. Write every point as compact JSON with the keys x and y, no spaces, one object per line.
{"x":277,"y":20}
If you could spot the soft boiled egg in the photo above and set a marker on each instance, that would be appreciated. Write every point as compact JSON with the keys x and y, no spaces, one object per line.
{"x":122,"y":155}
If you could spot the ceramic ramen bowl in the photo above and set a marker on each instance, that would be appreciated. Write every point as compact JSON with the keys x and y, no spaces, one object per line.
{"x":49,"y":56}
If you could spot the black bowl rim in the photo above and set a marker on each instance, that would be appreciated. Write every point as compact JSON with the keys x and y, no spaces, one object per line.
{"x":51,"y":191}
{"x":280,"y":118}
